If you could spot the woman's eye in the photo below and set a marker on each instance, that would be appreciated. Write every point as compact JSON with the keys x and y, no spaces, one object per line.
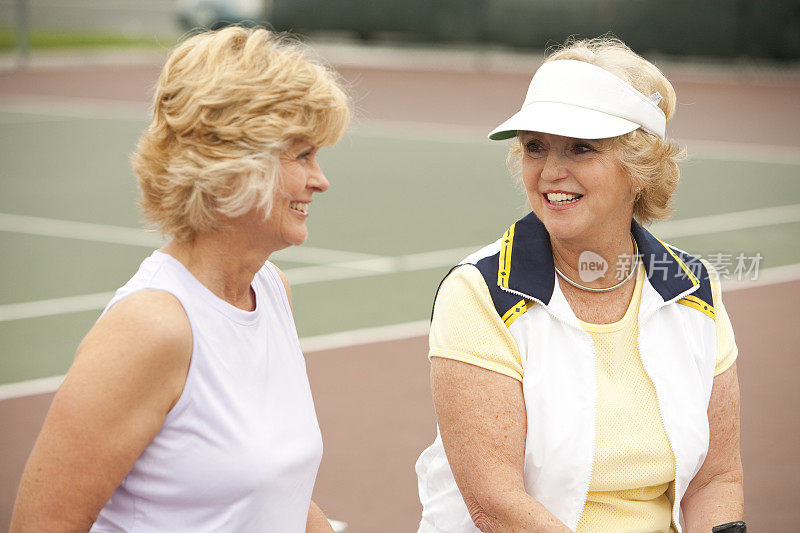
{"x":534,"y":147}
{"x":304,"y":155}
{"x":582,"y":148}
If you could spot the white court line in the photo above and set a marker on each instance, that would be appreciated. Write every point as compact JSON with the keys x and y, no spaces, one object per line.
{"x":54,"y":306}
{"x":768,"y":276}
{"x":671,"y":229}
{"x":7,"y":120}
{"x":464,"y":134}
{"x":85,"y":231}
{"x":743,"y":152}
{"x":50,"y":227}
{"x":386,"y":265}
{"x":86,"y":108}
{"x":358,"y":337}
{"x":315,"y":274}
{"x":297,"y":276}
{"x":30,"y":388}
{"x":309,"y":345}
{"x":753,"y":218}
{"x":366,"y":265}
{"x":76,"y":107}
{"x":739,"y":220}
{"x":394,"y":332}
{"x":422,"y":131}
{"x":322,"y":256}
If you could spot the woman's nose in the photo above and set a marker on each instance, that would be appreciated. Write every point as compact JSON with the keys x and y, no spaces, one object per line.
{"x":318,"y":180}
{"x":554,"y":168}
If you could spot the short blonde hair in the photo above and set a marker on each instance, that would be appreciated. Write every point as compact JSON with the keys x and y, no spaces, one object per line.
{"x":650,"y":162}
{"x":226,"y":105}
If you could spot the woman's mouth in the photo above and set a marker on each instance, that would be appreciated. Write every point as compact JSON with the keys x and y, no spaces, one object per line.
{"x":299,"y":207}
{"x":562,"y":198}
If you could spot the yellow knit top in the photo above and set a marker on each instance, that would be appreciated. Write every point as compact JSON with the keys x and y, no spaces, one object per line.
{"x":632,"y":470}
{"x":634,"y":467}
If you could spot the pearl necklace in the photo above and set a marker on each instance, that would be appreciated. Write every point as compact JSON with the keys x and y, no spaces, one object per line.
{"x":606,"y":289}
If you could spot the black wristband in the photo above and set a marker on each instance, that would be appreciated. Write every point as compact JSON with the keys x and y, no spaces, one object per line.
{"x":730,"y":527}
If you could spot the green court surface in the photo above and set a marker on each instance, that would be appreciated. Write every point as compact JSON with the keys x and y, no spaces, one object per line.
{"x":399,"y":213}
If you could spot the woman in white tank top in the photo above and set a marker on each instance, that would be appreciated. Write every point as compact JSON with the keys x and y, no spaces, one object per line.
{"x":187,"y":408}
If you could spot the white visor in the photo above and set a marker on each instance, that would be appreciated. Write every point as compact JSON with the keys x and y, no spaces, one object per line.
{"x":579,"y":100}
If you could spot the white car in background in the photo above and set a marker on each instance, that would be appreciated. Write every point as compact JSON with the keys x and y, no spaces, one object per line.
{"x":215,"y":14}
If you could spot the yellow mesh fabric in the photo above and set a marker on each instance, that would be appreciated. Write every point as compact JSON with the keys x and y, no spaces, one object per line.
{"x":466,"y":326}
{"x":633,"y":462}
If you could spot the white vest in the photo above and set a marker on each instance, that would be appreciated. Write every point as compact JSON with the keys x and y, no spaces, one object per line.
{"x":677,"y":344}
{"x":240,"y":449}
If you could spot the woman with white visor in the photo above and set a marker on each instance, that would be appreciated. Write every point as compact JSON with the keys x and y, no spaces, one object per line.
{"x":583,"y":371}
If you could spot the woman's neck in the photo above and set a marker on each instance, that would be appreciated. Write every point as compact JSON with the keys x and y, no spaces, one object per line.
{"x":223,"y":263}
{"x":598,"y":262}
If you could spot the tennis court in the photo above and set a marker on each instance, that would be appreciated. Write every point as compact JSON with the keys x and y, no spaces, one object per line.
{"x":414,"y":187}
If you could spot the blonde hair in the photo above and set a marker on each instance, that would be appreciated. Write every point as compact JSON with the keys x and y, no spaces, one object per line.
{"x":650,"y":162}
{"x":226,"y":105}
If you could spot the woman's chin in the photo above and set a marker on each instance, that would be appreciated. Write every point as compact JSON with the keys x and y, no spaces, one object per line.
{"x":563,"y":229}
{"x":298,"y":239}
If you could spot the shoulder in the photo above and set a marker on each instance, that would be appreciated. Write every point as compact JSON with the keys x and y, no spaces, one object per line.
{"x":478,"y":277}
{"x":466,"y":326}
{"x":157,"y":312}
{"x":142,"y":340}
{"x":128,"y":374}
{"x":284,"y":280}
{"x":467,"y":286}
{"x":462,"y":281}
{"x":149,"y":318}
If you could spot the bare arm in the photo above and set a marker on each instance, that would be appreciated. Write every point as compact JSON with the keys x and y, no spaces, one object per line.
{"x":716,"y":495}
{"x":483,"y":424}
{"x":317,"y":523}
{"x":128,"y":373}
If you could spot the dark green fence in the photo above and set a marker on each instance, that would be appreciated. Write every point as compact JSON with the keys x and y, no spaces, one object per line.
{"x":721,"y":28}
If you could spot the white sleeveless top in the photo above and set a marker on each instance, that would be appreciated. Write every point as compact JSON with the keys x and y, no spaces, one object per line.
{"x":240,"y":450}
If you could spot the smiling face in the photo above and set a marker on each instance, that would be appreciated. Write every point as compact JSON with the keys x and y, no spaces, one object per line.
{"x":576,"y":187}
{"x":300,"y":178}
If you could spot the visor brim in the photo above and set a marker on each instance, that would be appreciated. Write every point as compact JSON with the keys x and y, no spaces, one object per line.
{"x":563,"y":119}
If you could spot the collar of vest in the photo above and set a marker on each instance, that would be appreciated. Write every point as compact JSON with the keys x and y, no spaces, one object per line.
{"x":526,"y":262}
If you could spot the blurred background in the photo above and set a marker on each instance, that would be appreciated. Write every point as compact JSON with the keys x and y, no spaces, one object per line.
{"x":416,"y":186}
{"x":769,"y":29}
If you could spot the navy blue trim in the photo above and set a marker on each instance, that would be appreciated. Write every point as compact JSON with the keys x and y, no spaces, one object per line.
{"x":532,"y":273}
{"x":700,"y":271}
{"x":665,"y":273}
{"x":502,"y":300}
